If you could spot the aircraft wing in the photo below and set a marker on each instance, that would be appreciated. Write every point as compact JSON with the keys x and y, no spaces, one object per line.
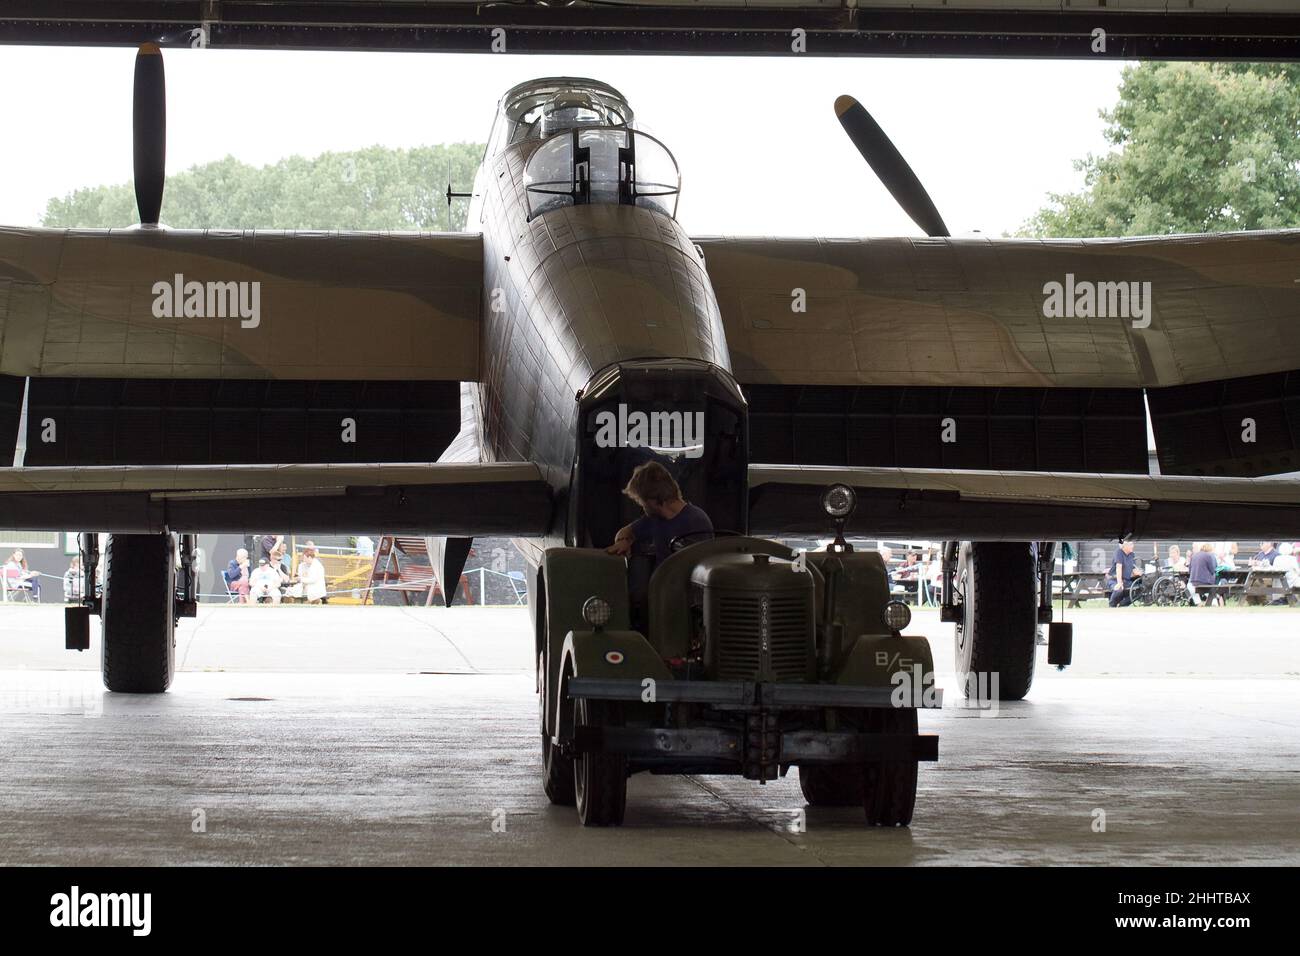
{"x":1019,"y":506}
{"x":448,"y":498}
{"x":919,"y":330}
{"x":155,"y":346}
{"x":377,"y":306}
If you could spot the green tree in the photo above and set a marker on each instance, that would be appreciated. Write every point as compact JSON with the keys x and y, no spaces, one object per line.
{"x":373,"y":188}
{"x":1199,"y":147}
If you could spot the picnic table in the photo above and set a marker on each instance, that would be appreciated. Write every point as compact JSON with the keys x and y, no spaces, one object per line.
{"x":1084,"y":586}
{"x":1266,"y":585}
{"x":907,"y":588}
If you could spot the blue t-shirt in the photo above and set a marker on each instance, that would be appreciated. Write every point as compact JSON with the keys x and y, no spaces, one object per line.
{"x":690,"y":520}
{"x":1127,"y":560}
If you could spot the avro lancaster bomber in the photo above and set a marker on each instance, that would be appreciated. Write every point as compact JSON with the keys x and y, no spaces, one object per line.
{"x":173,"y":381}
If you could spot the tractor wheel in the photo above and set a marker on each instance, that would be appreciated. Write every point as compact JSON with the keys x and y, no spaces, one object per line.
{"x":139,"y":613}
{"x":889,"y":786}
{"x":599,"y":779}
{"x":557,"y":769}
{"x":998,"y":585}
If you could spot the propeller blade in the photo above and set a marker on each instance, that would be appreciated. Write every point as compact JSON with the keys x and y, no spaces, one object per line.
{"x":888,"y":163}
{"x":149,"y":132}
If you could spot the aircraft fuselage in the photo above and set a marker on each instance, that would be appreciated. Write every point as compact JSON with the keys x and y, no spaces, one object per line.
{"x":571,"y":292}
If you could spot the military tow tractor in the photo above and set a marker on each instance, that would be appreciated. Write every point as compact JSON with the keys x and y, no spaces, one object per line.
{"x":753,"y":659}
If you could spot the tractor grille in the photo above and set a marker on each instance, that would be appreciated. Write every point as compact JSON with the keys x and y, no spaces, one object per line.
{"x":744,"y":654}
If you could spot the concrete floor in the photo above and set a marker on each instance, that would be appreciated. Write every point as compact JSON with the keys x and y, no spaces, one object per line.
{"x":390,"y":736}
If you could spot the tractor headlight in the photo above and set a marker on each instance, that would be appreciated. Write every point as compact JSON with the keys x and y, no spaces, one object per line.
{"x":897,"y":616}
{"x":838,"y":501}
{"x":595,"y":611}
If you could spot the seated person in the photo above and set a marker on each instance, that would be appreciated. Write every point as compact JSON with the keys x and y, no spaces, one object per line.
{"x":909,"y":569}
{"x":667,"y":515}
{"x":20,"y":577}
{"x":1266,"y":555}
{"x":1176,"y":561}
{"x":73,"y":581}
{"x":236,"y":575}
{"x":1286,"y":561}
{"x":264,"y":583}
{"x":310,"y":584}
{"x":1203,"y":574}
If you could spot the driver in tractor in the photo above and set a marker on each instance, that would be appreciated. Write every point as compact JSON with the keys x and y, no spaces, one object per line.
{"x":667,"y":516}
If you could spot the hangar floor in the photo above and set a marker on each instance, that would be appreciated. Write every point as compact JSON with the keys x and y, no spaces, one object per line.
{"x":393,"y":736}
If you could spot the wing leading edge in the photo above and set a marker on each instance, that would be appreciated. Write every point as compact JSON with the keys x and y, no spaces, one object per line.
{"x":991,"y":505}
{"x":447,"y":498}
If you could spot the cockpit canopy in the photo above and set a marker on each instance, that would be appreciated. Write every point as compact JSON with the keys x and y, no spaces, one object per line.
{"x":601,"y":164}
{"x":588,"y":150}
{"x":541,"y":108}
{"x":572,"y":109}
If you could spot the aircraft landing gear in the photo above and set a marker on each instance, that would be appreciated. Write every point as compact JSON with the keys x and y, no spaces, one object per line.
{"x":994,"y":601}
{"x":139,"y":606}
{"x":139,"y":646}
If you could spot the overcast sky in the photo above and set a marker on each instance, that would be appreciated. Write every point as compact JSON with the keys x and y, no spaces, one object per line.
{"x":760,"y":150}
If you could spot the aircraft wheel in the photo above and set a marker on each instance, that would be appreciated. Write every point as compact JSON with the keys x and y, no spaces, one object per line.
{"x":831,"y":785}
{"x":557,"y":769}
{"x":889,"y":786}
{"x":599,"y":780}
{"x":139,"y":613}
{"x":997,"y":583}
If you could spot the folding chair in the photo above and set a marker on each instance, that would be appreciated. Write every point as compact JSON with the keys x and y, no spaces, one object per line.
{"x":232,"y":596}
{"x":520,"y":584}
{"x":13,"y":587}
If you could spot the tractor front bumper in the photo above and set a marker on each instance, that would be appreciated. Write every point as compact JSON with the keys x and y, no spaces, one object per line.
{"x":709,"y":744}
{"x":758,"y":702}
{"x":742,"y":695}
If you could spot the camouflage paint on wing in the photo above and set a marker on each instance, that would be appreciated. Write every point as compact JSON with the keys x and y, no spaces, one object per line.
{"x":971,"y":311}
{"x":329,"y":305}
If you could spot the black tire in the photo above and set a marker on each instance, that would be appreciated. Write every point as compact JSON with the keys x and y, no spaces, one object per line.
{"x":599,"y":780}
{"x":832,"y":785}
{"x":889,"y":786}
{"x":557,"y":769}
{"x":138,"y":653}
{"x":1169,"y":592}
{"x":998,"y":582}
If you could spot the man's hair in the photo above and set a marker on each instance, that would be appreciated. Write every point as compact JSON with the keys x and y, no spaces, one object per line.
{"x":651,"y":482}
